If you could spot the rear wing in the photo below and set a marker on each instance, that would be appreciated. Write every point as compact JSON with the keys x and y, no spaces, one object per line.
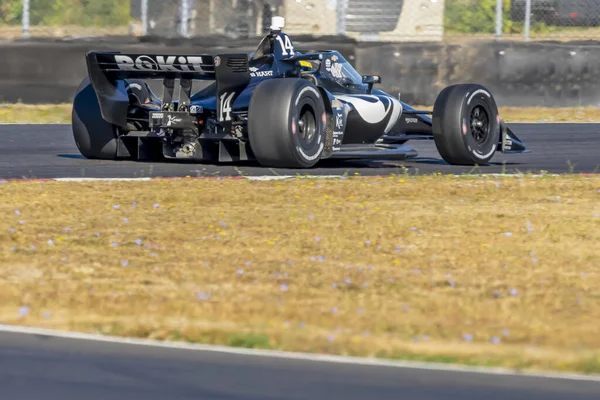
{"x":109,"y":70}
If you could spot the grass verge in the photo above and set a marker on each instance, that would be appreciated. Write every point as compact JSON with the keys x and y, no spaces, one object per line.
{"x":12,"y":32}
{"x":61,"y":113}
{"x":480,"y":271}
{"x":35,"y":113}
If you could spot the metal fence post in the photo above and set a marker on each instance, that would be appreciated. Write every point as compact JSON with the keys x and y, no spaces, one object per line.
{"x":527,"y":19}
{"x":498,"y":19}
{"x":25,"y":18}
{"x":144,"y":17}
{"x":341,"y":17}
{"x":185,"y":12}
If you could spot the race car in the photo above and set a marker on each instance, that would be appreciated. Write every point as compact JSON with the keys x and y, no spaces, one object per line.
{"x":277,"y":106}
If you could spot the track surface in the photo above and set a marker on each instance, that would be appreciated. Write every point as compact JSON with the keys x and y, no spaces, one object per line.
{"x":48,"y":151}
{"x":34,"y":367}
{"x":41,"y":367}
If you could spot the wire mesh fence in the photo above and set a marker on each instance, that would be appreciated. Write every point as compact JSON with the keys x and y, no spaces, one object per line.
{"x":364,"y":20}
{"x":522,"y":19}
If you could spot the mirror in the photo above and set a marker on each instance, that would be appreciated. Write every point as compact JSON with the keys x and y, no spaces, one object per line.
{"x":371,"y":80}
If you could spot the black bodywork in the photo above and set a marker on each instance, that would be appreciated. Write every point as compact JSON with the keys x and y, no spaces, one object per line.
{"x":211,"y":124}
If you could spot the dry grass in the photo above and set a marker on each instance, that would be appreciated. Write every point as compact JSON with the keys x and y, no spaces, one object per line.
{"x":492,"y":271}
{"x":35,"y":113}
{"x":558,"y":34}
{"x":61,"y":113}
{"x":12,"y":32}
{"x":547,"y":114}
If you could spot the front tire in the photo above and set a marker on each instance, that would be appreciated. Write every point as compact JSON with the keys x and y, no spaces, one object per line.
{"x":466,"y":125}
{"x":287,"y":123}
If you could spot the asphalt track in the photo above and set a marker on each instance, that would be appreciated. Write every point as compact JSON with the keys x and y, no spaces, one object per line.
{"x":36,"y":367}
{"x":48,"y":151}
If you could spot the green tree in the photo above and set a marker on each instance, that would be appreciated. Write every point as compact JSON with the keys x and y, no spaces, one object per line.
{"x":10,"y":12}
{"x":479,"y":16}
{"x":82,"y":12}
{"x":475,"y":16}
{"x":67,"y":12}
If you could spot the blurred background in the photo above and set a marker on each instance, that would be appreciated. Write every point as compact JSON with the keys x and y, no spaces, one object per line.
{"x":364,"y":20}
{"x":529,"y":52}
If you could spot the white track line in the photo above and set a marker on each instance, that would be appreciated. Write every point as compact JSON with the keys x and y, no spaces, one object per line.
{"x":99,"y":179}
{"x":250,"y":178}
{"x":293,"y":356}
{"x":265,"y":178}
{"x":282,"y":177}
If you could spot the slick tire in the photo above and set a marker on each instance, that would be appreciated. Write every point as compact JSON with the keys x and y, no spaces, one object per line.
{"x":287,"y":123}
{"x":466,"y":125}
{"x":95,"y":137}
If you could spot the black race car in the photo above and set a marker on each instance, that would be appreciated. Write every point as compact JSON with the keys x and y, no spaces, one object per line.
{"x":277,"y":106}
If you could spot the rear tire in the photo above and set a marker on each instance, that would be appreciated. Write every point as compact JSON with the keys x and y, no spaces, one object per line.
{"x":466,"y":125}
{"x":287,"y":123}
{"x":94,"y":136}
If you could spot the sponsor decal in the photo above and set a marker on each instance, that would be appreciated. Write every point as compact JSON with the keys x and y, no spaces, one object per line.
{"x":173,"y":120}
{"x":254,"y":72}
{"x":261,"y":74}
{"x":159,"y":63}
{"x":411,"y":120}
{"x":337,"y":139}
{"x":336,"y":70}
{"x":196,"y":109}
{"x":217,"y":61}
{"x":339,"y":121}
{"x":287,"y":48}
{"x":157,"y":115}
{"x":225,"y":109}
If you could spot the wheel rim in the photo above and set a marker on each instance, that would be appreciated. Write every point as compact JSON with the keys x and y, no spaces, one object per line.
{"x":307,"y":126}
{"x":480,"y":124}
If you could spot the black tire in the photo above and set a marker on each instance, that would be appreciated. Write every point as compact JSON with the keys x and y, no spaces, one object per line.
{"x":466,"y":126}
{"x":287,"y":123}
{"x":94,"y":136}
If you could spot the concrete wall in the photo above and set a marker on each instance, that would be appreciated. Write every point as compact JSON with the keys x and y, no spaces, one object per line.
{"x":519,"y":74}
{"x":318,"y":19}
{"x":419,"y":20}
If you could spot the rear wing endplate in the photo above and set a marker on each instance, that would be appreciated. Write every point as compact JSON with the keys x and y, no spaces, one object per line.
{"x":109,"y":70}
